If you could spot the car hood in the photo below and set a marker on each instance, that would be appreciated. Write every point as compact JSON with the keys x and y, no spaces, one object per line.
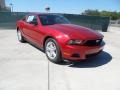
{"x":76,"y":32}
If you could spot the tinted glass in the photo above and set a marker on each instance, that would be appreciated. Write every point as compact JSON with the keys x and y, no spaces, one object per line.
{"x":53,"y":19}
{"x":31,"y":18}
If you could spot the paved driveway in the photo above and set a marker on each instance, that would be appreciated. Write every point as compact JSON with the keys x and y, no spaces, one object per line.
{"x":23,"y":67}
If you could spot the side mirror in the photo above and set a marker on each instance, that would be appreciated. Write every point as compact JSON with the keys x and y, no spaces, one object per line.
{"x":34,"y":23}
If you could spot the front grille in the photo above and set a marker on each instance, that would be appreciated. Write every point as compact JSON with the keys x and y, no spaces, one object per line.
{"x":93,"y":42}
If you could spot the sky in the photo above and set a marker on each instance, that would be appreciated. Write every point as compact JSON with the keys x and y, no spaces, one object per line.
{"x":64,"y":6}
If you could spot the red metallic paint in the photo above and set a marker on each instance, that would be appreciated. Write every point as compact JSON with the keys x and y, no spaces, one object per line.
{"x":62,"y":33}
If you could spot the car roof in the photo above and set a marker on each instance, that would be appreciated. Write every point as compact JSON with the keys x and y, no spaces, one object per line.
{"x":42,"y":13}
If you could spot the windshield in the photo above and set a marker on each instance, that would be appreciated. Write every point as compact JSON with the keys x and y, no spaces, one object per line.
{"x":53,"y":19}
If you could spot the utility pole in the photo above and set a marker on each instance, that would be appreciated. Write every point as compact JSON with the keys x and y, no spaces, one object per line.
{"x":11,"y":7}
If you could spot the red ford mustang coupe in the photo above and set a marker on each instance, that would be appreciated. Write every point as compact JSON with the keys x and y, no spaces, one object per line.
{"x":58,"y":37}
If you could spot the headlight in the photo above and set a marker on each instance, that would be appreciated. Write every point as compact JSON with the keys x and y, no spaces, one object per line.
{"x":75,"y":42}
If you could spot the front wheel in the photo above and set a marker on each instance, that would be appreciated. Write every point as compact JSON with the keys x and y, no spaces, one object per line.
{"x":52,"y":51}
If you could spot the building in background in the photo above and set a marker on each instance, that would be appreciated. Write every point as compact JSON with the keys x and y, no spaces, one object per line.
{"x":2,"y":4}
{"x":3,"y":7}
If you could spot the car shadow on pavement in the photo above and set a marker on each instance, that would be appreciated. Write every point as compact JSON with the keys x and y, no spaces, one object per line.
{"x":96,"y":61}
{"x":99,"y":60}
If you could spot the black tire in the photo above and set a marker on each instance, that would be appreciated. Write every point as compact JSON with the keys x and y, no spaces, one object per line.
{"x":20,"y":37}
{"x":58,"y":58}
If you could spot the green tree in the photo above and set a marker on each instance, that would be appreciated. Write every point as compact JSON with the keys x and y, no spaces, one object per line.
{"x":91,"y":12}
{"x":113,"y":15}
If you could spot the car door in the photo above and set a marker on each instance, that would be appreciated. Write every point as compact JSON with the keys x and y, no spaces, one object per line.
{"x":34,"y":32}
{"x":29,"y":28}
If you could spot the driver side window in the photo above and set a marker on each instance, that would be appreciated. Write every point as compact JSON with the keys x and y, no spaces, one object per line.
{"x":31,"y":19}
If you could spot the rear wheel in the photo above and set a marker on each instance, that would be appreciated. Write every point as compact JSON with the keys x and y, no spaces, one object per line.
{"x":20,"y":37}
{"x":52,"y":51}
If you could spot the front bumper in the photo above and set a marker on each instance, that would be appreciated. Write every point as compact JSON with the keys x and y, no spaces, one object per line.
{"x":74,"y":52}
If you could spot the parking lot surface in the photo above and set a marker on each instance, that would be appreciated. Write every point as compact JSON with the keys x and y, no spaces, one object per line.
{"x":24,"y":67}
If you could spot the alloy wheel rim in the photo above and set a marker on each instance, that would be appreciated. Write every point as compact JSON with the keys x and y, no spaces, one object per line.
{"x":51,"y":50}
{"x":19,"y":35}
